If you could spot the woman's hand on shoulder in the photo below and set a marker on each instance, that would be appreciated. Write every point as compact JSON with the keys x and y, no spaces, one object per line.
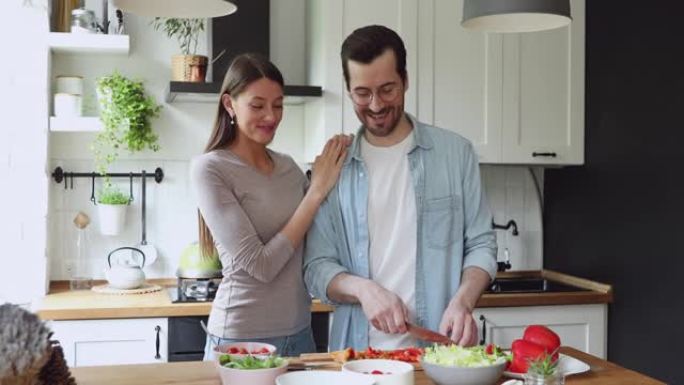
{"x":327,"y":166}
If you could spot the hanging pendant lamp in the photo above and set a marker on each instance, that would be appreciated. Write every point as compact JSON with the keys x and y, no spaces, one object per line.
{"x":515,"y":15}
{"x":188,"y":9}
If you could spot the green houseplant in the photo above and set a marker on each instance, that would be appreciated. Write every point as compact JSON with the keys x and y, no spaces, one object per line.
{"x":126,"y":113}
{"x":188,"y":66}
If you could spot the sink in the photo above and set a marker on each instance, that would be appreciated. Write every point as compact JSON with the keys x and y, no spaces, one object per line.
{"x":529,"y":285}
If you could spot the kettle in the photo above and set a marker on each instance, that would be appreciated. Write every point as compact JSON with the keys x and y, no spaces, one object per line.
{"x":125,"y":275}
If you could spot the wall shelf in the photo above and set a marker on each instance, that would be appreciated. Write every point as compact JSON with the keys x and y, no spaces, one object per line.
{"x":75,"y":124}
{"x":71,"y":43}
{"x":208,"y":92}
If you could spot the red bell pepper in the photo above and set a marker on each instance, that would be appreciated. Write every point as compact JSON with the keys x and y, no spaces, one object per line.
{"x":523,"y":352}
{"x":541,"y":335}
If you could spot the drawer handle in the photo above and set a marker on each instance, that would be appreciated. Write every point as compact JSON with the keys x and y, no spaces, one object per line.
{"x":544,"y":154}
{"x":158,"y":330}
{"x":484,"y":329}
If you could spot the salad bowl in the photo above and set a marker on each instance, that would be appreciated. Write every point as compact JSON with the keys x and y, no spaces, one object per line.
{"x":250,"y":370}
{"x":455,"y":365}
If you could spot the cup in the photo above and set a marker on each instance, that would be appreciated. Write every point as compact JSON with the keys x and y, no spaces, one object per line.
{"x":67,"y":105}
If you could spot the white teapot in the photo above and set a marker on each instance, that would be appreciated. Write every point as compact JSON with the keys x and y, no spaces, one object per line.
{"x":125,"y":275}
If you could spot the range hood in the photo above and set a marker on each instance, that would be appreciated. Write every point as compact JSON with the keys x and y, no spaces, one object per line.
{"x":246,"y":30}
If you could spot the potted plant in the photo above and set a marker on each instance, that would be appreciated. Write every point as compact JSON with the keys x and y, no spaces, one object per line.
{"x":111,"y":207}
{"x":126,"y":114}
{"x":188,"y":66}
{"x":544,"y":371}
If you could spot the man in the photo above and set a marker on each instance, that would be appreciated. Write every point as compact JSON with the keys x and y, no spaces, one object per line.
{"x":406,"y":235}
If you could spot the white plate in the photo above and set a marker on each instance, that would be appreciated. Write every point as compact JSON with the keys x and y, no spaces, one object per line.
{"x":567,"y":365}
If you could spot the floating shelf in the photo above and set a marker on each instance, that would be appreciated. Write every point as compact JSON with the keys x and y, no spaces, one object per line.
{"x":208,"y":92}
{"x":75,"y":124}
{"x":64,"y":42}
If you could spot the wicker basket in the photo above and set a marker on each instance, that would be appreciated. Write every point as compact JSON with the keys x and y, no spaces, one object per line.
{"x":188,"y":68}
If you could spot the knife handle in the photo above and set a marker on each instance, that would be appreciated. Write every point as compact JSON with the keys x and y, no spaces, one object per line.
{"x":484,"y":329}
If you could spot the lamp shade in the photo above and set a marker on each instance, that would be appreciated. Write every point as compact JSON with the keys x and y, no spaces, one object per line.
{"x":515,"y":15}
{"x":187,"y":9}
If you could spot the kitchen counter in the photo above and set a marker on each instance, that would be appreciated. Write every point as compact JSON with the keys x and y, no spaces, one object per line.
{"x":592,"y":292}
{"x":64,"y":304}
{"x":204,"y":373}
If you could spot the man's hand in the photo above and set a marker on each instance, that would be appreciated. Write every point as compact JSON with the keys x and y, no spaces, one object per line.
{"x":457,"y":320}
{"x":384,"y":309}
{"x":458,"y":323}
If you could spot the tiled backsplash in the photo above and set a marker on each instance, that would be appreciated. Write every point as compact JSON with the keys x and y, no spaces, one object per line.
{"x":172,"y":216}
{"x":512,"y":195}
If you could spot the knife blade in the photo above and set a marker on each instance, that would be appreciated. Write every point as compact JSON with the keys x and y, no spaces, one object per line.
{"x":428,"y":335}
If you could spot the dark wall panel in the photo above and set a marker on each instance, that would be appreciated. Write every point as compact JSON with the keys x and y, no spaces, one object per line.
{"x":618,"y":218}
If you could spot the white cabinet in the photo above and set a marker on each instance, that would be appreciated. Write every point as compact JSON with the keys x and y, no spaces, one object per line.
{"x":460,"y":77}
{"x":583,"y":327}
{"x":518,"y":97}
{"x":543,"y":94}
{"x":112,"y":341}
{"x":330,"y":22}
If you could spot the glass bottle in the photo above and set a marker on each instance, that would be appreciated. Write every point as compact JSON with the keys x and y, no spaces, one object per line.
{"x":80,"y":278}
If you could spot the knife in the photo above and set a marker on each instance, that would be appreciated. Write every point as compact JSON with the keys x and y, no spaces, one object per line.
{"x":427,"y":334}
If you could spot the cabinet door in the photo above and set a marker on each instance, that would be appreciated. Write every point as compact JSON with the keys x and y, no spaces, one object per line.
{"x":582,"y":327}
{"x":399,"y":15}
{"x":460,"y":77}
{"x":543,"y":91}
{"x":112,"y":342}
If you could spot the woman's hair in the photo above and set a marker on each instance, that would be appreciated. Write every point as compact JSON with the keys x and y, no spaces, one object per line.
{"x":243,"y":71}
{"x":365,"y":44}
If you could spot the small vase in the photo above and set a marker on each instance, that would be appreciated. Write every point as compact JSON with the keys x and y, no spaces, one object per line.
{"x":538,"y":379}
{"x":112,"y":218}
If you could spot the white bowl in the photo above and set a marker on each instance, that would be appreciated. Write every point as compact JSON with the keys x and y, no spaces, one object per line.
{"x":256,"y":349}
{"x":322,"y":377}
{"x":394,"y":372}
{"x":230,"y":376}
{"x":455,"y":375}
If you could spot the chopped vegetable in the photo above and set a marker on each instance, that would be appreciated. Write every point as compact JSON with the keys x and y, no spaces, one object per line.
{"x":471,"y":357}
{"x":251,"y":362}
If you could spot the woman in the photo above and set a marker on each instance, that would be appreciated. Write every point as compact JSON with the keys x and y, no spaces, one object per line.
{"x":255,"y":208}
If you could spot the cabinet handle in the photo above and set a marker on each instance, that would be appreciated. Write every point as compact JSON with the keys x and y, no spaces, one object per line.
{"x":158,"y":330}
{"x":544,"y":154}
{"x":484,"y":329}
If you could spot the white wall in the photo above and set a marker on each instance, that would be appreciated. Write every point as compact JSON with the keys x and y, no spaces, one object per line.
{"x":23,"y":150}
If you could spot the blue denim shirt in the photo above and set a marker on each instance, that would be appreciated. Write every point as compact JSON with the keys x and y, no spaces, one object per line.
{"x":454,"y":230}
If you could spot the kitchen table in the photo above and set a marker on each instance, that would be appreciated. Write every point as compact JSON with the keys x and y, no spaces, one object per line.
{"x":204,"y":373}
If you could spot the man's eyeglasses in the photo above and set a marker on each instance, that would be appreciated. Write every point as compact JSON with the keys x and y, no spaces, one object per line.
{"x":387,"y":93}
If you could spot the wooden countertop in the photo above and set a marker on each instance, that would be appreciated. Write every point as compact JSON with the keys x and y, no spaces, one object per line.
{"x":204,"y":373}
{"x":64,"y":304}
{"x":595,"y":292}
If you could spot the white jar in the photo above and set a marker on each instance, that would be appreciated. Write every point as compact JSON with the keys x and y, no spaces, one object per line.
{"x":68,"y":104}
{"x":69,"y":85}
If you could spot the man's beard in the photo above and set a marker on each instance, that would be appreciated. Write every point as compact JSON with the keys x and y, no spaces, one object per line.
{"x":393,"y":112}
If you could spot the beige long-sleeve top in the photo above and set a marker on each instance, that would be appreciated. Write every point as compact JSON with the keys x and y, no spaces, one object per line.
{"x":262,"y":293}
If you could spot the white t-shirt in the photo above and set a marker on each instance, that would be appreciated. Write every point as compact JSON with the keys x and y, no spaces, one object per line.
{"x":392,"y":221}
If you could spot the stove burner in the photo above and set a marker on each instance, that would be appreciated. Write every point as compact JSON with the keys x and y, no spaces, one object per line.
{"x":195,"y":290}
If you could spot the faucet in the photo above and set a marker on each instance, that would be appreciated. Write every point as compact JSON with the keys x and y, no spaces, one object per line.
{"x":507,"y":226}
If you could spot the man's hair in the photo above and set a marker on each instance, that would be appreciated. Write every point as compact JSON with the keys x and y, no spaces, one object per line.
{"x":365,"y":44}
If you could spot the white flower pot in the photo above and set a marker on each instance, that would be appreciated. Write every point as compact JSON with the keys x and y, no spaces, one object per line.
{"x":112,"y":218}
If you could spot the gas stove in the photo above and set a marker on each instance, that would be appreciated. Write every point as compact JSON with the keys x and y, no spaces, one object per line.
{"x":194,"y":290}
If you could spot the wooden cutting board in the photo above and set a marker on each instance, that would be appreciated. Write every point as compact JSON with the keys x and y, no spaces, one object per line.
{"x":329,"y":358}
